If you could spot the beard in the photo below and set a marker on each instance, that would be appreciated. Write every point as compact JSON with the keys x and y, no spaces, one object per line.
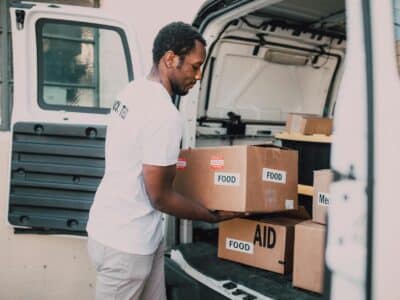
{"x":177,"y":89}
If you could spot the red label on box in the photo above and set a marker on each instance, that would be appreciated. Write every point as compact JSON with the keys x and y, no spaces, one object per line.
{"x":181,"y":163}
{"x":216,"y":162}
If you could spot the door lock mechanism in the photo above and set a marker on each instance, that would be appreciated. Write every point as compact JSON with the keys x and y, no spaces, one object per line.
{"x":20,"y":17}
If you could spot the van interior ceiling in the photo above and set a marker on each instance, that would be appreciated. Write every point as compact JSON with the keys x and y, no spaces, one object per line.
{"x":282,"y":58}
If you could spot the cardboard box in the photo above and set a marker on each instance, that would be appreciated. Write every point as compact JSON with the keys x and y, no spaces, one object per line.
{"x":308,"y":124}
{"x":265,"y":243}
{"x":321,"y":196}
{"x":239,"y":178}
{"x":309,"y":256}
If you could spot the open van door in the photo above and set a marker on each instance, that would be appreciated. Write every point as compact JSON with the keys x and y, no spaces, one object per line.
{"x":69,"y":65}
{"x":362,"y":246}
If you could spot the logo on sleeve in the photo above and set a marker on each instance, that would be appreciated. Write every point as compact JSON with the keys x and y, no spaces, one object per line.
{"x":121,"y":109}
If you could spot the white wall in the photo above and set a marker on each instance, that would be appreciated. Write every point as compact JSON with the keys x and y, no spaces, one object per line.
{"x":151,"y":17}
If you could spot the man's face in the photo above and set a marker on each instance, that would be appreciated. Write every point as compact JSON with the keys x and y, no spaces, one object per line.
{"x":187,"y":71}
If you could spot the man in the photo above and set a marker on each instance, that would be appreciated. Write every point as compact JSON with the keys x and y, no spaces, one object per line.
{"x":142,"y":146}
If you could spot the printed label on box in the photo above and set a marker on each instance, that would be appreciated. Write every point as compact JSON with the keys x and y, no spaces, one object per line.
{"x":265,"y":236}
{"x":232,"y":179}
{"x":273,"y":175}
{"x":181,"y":163}
{"x":323,"y":199}
{"x":239,"y":246}
{"x":289,"y":204}
{"x":217,"y":162}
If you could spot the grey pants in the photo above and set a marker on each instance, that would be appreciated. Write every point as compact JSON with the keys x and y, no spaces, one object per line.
{"x":125,"y":276}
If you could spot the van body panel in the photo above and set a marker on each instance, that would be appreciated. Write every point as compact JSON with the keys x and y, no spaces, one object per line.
{"x":384,"y":21}
{"x":247,"y":45}
{"x":40,"y":266}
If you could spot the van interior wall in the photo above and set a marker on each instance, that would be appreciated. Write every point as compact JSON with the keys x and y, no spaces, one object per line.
{"x":261,"y":75}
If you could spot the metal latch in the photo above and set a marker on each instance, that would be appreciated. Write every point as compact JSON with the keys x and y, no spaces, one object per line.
{"x":235,"y":126}
{"x":20,"y":16}
{"x":338,"y":176}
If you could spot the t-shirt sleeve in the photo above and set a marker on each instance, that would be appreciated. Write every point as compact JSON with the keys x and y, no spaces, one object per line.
{"x":161,"y":143}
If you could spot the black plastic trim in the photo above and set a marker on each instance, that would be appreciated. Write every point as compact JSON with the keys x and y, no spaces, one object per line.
{"x":298,"y":28}
{"x":211,"y":7}
{"x":369,"y":70}
{"x":55,"y":172}
{"x":231,"y":6}
{"x":247,"y":122}
{"x":328,"y":100}
{"x":209,"y":83}
{"x":327,"y":278}
{"x":209,"y":57}
{"x":19,"y":4}
{"x":6,"y":101}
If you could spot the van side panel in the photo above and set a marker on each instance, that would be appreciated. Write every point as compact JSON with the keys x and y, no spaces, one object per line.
{"x":39,"y":267}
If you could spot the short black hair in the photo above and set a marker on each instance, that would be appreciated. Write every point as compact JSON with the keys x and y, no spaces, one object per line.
{"x":178,"y":37}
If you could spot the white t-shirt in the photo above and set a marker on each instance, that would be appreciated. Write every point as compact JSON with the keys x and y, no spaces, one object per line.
{"x":144,"y":128}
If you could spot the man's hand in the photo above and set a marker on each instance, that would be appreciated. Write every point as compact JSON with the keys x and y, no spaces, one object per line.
{"x":158,"y":181}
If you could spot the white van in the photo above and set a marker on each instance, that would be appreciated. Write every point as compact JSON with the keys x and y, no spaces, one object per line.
{"x":265,"y":58}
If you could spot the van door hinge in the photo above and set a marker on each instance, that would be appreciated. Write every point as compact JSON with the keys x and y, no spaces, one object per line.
{"x":20,"y":16}
{"x":338,"y":176}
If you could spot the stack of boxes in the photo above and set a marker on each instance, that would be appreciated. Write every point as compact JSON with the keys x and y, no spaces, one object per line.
{"x":261,"y":179}
{"x":255,"y":179}
{"x":309,"y":246}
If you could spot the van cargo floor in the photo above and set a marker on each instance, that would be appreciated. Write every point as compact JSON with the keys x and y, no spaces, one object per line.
{"x":203,"y":258}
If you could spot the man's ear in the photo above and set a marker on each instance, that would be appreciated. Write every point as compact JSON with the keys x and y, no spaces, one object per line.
{"x":170,"y":59}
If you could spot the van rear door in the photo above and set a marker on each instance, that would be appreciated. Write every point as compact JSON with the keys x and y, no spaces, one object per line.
{"x":69,"y":65}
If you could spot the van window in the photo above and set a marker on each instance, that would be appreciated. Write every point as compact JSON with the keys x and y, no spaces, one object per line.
{"x":81,"y":66}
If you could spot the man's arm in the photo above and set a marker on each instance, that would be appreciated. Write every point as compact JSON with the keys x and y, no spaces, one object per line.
{"x":159,"y":186}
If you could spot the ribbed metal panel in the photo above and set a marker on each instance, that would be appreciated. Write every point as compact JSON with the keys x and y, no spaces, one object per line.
{"x":55,"y":172}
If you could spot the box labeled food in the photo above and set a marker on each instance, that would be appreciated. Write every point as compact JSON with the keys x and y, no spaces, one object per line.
{"x":239,"y":178}
{"x":264,"y":243}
